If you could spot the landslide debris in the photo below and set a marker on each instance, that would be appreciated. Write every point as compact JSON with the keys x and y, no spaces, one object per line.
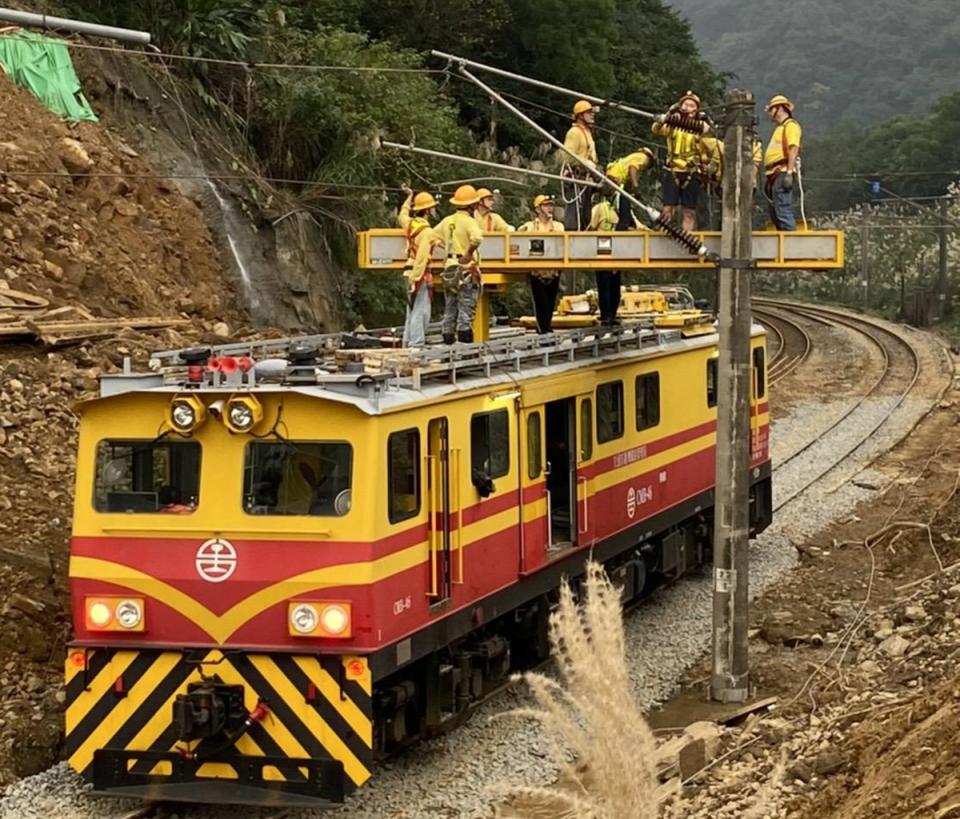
{"x":86,"y":224}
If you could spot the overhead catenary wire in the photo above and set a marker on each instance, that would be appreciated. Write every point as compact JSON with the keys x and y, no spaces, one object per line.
{"x":474,"y":161}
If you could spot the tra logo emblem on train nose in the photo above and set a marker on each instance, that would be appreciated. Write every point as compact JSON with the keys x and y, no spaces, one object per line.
{"x":216,"y":560}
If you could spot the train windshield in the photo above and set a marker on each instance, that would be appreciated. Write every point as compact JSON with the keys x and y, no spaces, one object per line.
{"x":290,"y":478}
{"x":147,"y":476}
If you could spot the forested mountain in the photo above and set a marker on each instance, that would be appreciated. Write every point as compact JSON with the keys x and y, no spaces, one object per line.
{"x":850,"y":63}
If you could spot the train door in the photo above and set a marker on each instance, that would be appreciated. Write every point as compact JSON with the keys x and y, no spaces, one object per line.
{"x":533,"y":490}
{"x":583,"y":475}
{"x":441,"y":496}
{"x":561,"y":447}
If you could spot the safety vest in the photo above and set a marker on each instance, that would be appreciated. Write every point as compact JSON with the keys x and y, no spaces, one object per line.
{"x":415,"y":227}
{"x":608,"y":216}
{"x":683,"y":151}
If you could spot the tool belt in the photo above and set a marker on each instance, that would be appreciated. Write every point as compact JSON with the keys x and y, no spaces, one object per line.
{"x":456,"y":275}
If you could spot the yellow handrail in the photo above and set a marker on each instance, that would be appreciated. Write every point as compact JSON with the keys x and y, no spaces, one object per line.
{"x":430,"y":465}
{"x":455,"y":479}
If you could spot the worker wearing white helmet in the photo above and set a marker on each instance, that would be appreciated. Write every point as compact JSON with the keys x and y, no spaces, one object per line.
{"x":780,"y":162}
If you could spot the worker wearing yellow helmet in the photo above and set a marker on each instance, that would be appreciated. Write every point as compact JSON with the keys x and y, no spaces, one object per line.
{"x":626,"y":171}
{"x":414,"y":217}
{"x":781,"y":160}
{"x":489,"y":221}
{"x":461,"y":236}
{"x":579,"y":149}
{"x":544,"y":284}
{"x":604,"y":217}
{"x":681,"y":175}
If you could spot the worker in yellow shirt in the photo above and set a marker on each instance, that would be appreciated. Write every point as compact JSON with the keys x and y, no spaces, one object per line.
{"x":489,"y":221}
{"x":544,"y":284}
{"x":461,"y":236}
{"x":579,"y":142}
{"x":604,"y":216}
{"x":414,"y":217}
{"x":626,"y":173}
{"x":780,"y":161}
{"x":681,"y":175}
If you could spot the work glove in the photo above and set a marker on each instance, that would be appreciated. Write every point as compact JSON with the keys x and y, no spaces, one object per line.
{"x":788,"y":182}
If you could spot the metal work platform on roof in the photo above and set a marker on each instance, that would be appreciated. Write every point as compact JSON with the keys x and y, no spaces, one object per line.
{"x":509,"y":255}
{"x":331,"y":363}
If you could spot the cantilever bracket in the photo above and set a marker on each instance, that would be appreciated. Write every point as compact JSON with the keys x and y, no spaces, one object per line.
{"x":737,"y":264}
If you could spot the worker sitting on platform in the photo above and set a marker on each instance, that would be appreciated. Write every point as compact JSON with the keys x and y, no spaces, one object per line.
{"x":781,"y":160}
{"x":626,"y":173}
{"x":604,"y":216}
{"x":461,"y":235}
{"x":544,"y":284}
{"x":414,"y":218}
{"x":489,"y":221}
{"x":579,"y":143}
{"x":681,"y":176}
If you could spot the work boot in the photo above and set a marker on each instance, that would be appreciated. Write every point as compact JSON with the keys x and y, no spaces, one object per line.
{"x":465,"y":336}
{"x":448,"y":338}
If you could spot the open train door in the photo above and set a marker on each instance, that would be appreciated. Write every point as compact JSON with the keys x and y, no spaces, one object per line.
{"x":442,"y":503}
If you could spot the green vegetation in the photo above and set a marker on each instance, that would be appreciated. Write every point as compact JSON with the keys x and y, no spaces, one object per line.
{"x":847,"y":64}
{"x":323,"y":126}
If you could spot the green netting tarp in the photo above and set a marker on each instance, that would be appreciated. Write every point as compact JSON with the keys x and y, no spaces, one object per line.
{"x":43,"y":66}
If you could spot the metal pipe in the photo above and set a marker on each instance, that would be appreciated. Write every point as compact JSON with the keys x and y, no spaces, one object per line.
{"x":26,"y":18}
{"x":619,"y":106}
{"x":652,"y":213}
{"x":454,"y":157}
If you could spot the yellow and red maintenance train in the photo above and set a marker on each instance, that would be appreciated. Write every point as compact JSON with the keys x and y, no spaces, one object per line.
{"x":289,"y":559}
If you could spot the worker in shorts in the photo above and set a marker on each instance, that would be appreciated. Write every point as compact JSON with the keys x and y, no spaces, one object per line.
{"x":544,"y":284}
{"x":414,"y":218}
{"x":461,"y":236}
{"x":681,"y":175}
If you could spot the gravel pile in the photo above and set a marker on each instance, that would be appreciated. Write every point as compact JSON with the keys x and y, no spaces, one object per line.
{"x":458,"y":775}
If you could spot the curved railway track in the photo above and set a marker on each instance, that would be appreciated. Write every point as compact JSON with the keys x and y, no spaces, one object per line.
{"x":793,"y":343}
{"x":899,"y":372}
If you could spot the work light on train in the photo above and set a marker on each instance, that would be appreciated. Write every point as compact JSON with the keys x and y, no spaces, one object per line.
{"x":243,"y":413}
{"x":186,"y":413}
{"x":319,"y":619}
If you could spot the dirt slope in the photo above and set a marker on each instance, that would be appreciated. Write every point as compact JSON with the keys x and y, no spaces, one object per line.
{"x":83,"y":221}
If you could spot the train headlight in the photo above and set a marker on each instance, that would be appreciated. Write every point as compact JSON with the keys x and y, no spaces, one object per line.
{"x":304,"y":618}
{"x":186,"y":413}
{"x":243,"y":413}
{"x":129,"y":614}
{"x":313,"y":619}
{"x":335,"y":620}
{"x":114,"y":613}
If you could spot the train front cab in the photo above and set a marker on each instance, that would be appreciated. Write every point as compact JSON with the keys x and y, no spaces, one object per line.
{"x":186,"y":679}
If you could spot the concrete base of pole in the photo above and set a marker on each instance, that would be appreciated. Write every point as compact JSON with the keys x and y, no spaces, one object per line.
{"x":725,"y":692}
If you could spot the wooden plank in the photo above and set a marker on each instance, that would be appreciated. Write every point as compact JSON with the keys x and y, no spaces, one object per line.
{"x":21,"y":300}
{"x":747,"y":710}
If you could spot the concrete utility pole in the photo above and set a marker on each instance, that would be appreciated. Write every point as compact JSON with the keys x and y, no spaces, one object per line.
{"x":730,"y":679}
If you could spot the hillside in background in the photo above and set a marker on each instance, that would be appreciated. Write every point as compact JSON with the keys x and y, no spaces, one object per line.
{"x":851,"y":64}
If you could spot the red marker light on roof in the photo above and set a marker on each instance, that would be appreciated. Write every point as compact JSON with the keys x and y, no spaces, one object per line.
{"x":245,"y":363}
{"x":195,"y":373}
{"x":228,"y":365}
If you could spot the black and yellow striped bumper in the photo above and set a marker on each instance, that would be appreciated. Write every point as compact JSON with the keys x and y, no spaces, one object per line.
{"x":313,"y":746}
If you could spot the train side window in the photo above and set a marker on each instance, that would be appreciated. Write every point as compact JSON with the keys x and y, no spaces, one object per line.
{"x":759,"y":375}
{"x":648,"y":400}
{"x":403,"y":474}
{"x":586,"y":430}
{"x":609,"y":411}
{"x":534,"y":446}
{"x":711,"y":382}
{"x":490,"y":443}
{"x":297,"y":478}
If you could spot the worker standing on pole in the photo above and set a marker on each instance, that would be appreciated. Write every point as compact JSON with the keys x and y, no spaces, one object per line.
{"x":414,"y":218}
{"x":544,"y":284}
{"x":626,"y":173}
{"x":579,"y":143}
{"x":461,"y":235}
{"x":604,"y":216}
{"x":780,"y":160}
{"x":489,"y":221}
{"x":681,"y":175}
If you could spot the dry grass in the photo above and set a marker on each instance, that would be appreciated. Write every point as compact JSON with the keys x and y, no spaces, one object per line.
{"x":590,"y":715}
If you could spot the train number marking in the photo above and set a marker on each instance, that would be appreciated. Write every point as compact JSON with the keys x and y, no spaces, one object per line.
{"x":216,"y":560}
{"x":402,"y":605}
{"x":638,"y":497}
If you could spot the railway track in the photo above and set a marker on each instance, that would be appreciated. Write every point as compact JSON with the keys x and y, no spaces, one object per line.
{"x":899,"y":372}
{"x":793,"y":343}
